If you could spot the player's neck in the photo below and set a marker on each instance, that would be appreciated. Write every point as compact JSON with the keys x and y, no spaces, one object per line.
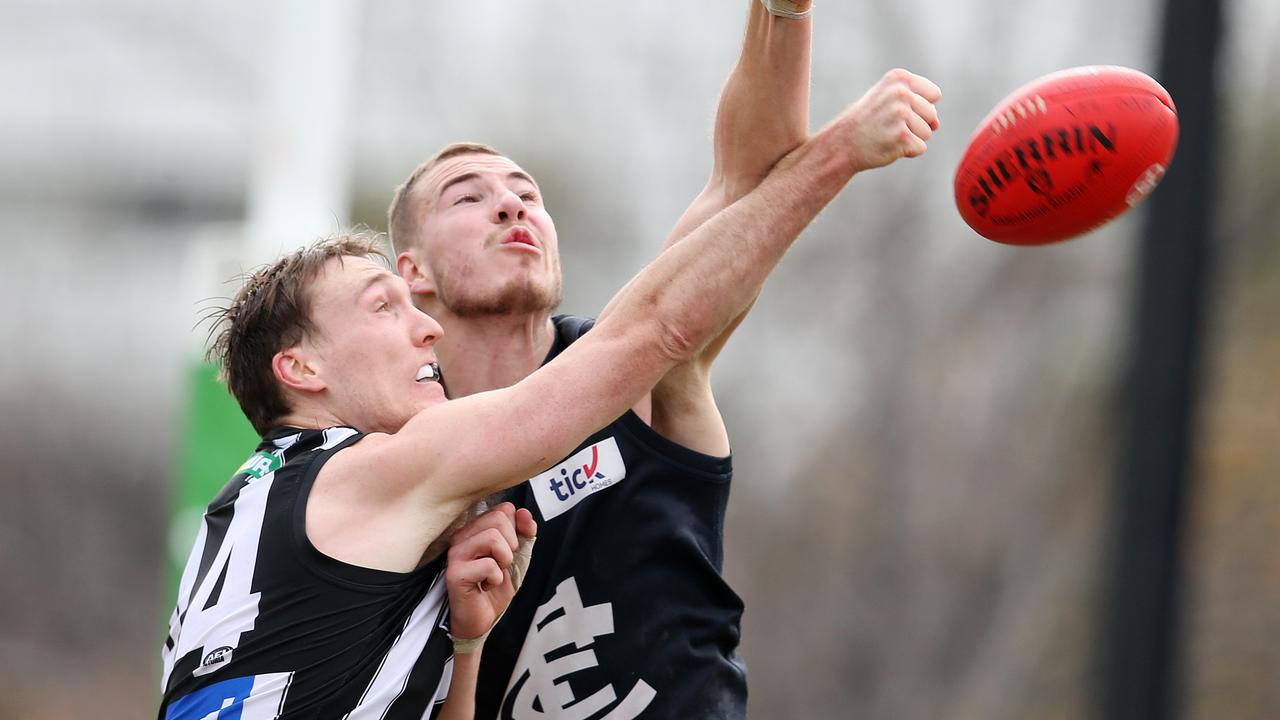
{"x":309,"y":416}
{"x":486,"y":353}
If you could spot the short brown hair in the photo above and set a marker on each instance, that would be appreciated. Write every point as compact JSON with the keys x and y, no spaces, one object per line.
{"x":271,"y":312}
{"x":402,"y":223}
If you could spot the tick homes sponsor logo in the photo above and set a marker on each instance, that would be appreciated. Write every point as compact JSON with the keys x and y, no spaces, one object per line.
{"x":569,"y":483}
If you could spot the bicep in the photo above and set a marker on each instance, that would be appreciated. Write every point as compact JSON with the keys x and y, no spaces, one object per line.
{"x":684,"y":411}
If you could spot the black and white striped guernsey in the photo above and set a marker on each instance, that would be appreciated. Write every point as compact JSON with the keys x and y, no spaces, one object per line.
{"x":267,"y":626}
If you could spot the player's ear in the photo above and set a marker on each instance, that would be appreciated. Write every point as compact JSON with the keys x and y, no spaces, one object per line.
{"x":297,"y":369}
{"x":416,"y":273}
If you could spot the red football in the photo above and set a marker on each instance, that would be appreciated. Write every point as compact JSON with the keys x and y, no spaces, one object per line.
{"x":1065,"y":154}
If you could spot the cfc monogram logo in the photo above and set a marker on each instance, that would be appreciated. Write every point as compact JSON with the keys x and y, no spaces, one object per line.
{"x":563,"y":628}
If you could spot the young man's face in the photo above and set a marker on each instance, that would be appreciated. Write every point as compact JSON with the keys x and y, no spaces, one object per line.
{"x":371,"y":346}
{"x":486,"y":244}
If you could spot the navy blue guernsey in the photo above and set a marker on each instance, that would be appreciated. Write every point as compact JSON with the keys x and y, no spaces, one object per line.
{"x":624,"y":613}
{"x":266,"y":626}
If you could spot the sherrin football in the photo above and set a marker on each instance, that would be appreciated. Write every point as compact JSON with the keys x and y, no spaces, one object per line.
{"x":1065,"y":154}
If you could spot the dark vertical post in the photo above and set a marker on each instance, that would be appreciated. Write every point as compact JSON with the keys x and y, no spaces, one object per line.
{"x":1141,"y":616}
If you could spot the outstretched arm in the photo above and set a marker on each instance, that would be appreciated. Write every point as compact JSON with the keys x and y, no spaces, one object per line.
{"x":668,"y":313}
{"x":683,"y":408}
{"x":763,"y":114}
{"x":450,"y":455}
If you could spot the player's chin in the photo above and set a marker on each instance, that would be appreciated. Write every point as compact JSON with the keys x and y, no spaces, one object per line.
{"x":424,"y":395}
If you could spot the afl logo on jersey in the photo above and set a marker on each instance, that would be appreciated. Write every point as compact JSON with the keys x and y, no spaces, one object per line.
{"x":216,"y":657}
{"x":586,"y":472}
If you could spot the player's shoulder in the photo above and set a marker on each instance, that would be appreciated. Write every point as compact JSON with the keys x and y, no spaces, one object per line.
{"x":350,"y":452}
{"x":316,"y":451}
{"x":571,"y":327}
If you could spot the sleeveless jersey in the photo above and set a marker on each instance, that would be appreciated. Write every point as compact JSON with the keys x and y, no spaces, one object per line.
{"x":266,"y":626}
{"x":624,"y":613}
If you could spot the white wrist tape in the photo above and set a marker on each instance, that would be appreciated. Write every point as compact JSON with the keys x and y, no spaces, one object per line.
{"x":519,"y":566}
{"x":468,"y":646}
{"x":788,"y":8}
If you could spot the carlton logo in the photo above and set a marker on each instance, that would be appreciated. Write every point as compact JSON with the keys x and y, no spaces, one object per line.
{"x":586,"y":472}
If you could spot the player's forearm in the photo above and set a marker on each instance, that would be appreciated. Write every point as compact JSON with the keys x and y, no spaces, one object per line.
{"x":461,"y":701}
{"x":762,"y":116}
{"x":763,"y":113}
{"x":696,"y":288}
{"x":764,"y":108}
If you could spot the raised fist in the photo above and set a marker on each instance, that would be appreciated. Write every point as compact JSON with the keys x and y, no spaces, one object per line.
{"x":487,"y":560}
{"x":892,"y":120}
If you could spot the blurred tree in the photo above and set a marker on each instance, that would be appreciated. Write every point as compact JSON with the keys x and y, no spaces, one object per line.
{"x":1140,"y":669}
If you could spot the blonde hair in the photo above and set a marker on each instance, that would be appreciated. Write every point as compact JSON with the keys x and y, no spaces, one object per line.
{"x":402,"y":221}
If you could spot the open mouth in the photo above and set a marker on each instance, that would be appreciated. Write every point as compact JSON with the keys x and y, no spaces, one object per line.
{"x":428,"y":373}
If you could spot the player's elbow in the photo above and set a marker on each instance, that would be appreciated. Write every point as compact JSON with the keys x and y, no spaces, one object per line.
{"x":664,"y":330}
{"x":679,"y":337}
{"x":737,"y":183}
{"x":742,"y":167}
{"x":737,"y":179}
